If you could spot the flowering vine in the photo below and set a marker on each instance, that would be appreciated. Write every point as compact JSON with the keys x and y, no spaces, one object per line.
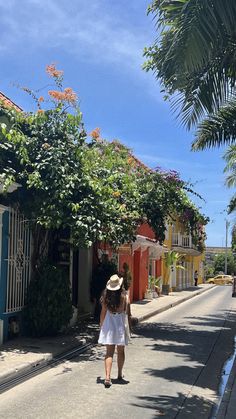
{"x":97,"y":189}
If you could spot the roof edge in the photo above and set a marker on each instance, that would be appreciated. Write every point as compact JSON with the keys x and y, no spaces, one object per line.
{"x":9,"y":103}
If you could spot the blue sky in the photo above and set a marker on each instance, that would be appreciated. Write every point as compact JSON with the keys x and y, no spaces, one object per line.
{"x":99,"y":45}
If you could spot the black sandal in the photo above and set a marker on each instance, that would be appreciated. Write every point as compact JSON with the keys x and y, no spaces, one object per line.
{"x":107,"y":383}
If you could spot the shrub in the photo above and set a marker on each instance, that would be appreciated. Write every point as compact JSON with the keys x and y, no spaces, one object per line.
{"x":49,"y":306}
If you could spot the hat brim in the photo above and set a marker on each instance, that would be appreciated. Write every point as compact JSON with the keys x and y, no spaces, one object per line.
{"x":114,"y":287}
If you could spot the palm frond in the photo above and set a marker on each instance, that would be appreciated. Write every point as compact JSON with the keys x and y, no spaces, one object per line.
{"x":230,"y":158}
{"x":195,"y":56}
{"x":198,"y":26}
{"x":217,"y":129}
{"x":232,"y":204}
{"x":230,"y":180}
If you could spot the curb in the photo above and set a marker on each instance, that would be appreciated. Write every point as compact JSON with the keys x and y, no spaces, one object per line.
{"x":41,"y":362}
{"x":23,"y":368}
{"x":225,"y":400}
{"x":175,"y":303}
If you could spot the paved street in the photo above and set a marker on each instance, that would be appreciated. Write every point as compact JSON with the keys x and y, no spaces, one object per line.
{"x":173,"y":368}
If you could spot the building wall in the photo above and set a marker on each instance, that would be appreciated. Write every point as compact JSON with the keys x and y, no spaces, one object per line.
{"x":198,"y":266}
{"x":141,"y":265}
{"x":143,"y":273}
{"x":136,"y":274}
{"x":168,"y":238}
{"x":145,"y":230}
{"x":184,"y":278}
{"x":140,"y":274}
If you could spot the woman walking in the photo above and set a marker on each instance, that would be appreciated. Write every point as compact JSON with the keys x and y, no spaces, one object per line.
{"x":114,"y":319}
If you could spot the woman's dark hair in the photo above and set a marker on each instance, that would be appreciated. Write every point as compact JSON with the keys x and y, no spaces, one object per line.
{"x":112,"y":299}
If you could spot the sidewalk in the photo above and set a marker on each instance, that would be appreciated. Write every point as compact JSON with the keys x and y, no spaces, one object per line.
{"x":24,"y":354}
{"x":147,"y":308}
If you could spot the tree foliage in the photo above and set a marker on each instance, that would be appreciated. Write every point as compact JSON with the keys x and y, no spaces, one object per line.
{"x":67,"y":181}
{"x":217,"y":129}
{"x":194,"y":56}
{"x":219,"y":264}
{"x":165,"y":198}
{"x":94,"y":188}
{"x":230,"y":168}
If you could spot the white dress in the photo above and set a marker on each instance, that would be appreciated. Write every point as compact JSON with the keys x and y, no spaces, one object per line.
{"x":113,"y":329}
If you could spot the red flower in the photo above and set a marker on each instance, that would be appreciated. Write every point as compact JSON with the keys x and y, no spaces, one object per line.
{"x":95,"y":134}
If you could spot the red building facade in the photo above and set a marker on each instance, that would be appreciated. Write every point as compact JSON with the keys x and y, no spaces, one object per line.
{"x":143,"y":257}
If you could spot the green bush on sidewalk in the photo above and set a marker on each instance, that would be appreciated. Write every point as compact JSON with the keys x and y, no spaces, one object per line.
{"x":49,"y":306}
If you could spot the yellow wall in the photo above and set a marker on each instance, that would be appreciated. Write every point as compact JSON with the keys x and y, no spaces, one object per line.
{"x":195,"y":262}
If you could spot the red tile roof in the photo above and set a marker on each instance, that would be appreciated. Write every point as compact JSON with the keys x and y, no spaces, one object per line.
{"x":8,"y":102}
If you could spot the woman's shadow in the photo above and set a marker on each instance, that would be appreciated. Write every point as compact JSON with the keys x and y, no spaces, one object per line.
{"x":119,"y":381}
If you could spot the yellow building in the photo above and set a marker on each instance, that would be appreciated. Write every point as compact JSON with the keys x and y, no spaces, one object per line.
{"x":191,"y":258}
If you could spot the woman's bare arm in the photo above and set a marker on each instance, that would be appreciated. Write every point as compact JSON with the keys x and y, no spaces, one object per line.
{"x":103,"y":314}
{"x":128,"y":311}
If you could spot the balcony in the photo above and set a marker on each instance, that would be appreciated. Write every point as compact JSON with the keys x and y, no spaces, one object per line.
{"x":183,"y":244}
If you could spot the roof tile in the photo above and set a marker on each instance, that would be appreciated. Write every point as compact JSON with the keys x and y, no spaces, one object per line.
{"x":8,"y":102}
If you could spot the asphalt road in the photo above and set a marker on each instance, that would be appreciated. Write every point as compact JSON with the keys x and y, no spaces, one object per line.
{"x":173,"y":370}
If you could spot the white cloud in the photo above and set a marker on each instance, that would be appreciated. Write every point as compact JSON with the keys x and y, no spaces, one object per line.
{"x":177,"y":163}
{"x":91,"y":31}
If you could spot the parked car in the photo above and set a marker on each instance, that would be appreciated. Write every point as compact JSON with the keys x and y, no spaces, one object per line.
{"x":221,"y":280}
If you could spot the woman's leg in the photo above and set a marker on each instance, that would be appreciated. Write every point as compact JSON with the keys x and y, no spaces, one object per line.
{"x":120,"y":359}
{"x":108,"y":361}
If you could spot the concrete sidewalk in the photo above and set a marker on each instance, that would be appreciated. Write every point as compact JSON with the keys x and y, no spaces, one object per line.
{"x":24,"y":354}
{"x":147,"y":308}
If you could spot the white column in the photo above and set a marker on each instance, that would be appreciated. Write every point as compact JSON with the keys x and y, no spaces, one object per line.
{"x":179,"y":239}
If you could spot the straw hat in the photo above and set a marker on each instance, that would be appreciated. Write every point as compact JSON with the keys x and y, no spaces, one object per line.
{"x":114,"y":283}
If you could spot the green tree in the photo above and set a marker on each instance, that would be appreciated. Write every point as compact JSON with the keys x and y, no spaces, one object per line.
{"x":230,"y":168}
{"x":209,"y":271}
{"x":194,"y":56}
{"x":217,"y":129}
{"x":94,"y":188}
{"x":194,"y":59}
{"x":219,"y":264}
{"x":165,"y":197}
{"x":67,"y":181}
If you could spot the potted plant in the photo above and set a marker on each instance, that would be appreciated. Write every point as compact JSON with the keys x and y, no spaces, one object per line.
{"x":155,"y":286}
{"x":148,"y":294}
{"x":171,"y":260}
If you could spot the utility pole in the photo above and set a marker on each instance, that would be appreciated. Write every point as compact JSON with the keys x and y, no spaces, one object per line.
{"x":226,"y":244}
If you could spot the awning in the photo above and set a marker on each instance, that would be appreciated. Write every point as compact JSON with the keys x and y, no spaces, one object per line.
{"x":144,"y":243}
{"x":187,"y":250}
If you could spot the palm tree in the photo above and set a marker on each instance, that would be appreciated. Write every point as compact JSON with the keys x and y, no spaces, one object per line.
{"x":230,"y":158}
{"x":172,"y":259}
{"x":217,"y":129}
{"x":194,"y":57}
